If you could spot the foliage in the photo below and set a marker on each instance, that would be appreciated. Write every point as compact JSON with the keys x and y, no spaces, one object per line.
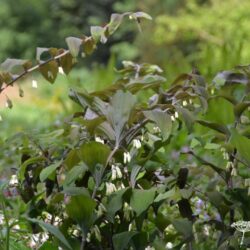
{"x":127,"y":172}
{"x":202,"y":34}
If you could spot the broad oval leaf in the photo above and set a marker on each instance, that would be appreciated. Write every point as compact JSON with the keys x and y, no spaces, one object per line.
{"x":94,"y":153}
{"x":74,"y":45}
{"x":50,"y":170}
{"x":141,"y":200}
{"x":162,"y":120}
{"x":81,"y":209}
{"x":121,"y":240}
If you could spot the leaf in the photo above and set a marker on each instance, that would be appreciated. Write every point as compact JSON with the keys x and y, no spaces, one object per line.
{"x":115,"y":21}
{"x":172,"y":193}
{"x":115,"y":202}
{"x":26,"y":163}
{"x":75,"y":191}
{"x":141,"y":14}
{"x":133,"y":175}
{"x":162,"y":120}
{"x":75,"y":173}
{"x":212,"y":146}
{"x":89,"y":45}
{"x":187,"y":117}
{"x":81,"y":209}
{"x":74,"y":45}
{"x":67,"y":63}
{"x":39,"y":52}
{"x":183,"y":226}
{"x":215,"y":126}
{"x":121,"y":240}
{"x":49,"y":71}
{"x":230,"y":77}
{"x":72,"y":159}
{"x":9,"y":103}
{"x":10,"y":63}
{"x":94,"y":153}
{"x":119,"y":111}
{"x":240,"y":108}
{"x":47,"y":246}
{"x":53,"y":230}
{"x":98,"y":34}
{"x":138,"y":204}
{"x":48,"y":171}
{"x":242,"y":144}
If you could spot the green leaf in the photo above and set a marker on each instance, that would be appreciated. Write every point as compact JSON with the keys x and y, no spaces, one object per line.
{"x":139,"y":204}
{"x":162,"y":120}
{"x":27,"y":163}
{"x":183,"y":226}
{"x":81,"y":208}
{"x":135,"y":170}
{"x":72,"y":159}
{"x":75,"y":191}
{"x":53,"y":230}
{"x":187,"y":117}
{"x":49,"y":171}
{"x":47,"y":246}
{"x":215,"y":126}
{"x":121,"y":240}
{"x":172,"y":193}
{"x":240,"y":108}
{"x":119,"y":112}
{"x":213,"y":146}
{"x":94,"y":153}
{"x":75,"y":173}
{"x":115,"y":202}
{"x":74,"y":45}
{"x":242,"y":144}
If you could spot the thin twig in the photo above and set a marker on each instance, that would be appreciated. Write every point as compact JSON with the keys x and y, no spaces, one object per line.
{"x":33,"y":69}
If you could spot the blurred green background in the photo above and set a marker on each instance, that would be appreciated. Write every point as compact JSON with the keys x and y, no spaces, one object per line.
{"x":210,"y":35}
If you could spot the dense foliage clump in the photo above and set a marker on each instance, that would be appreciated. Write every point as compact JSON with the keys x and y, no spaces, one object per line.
{"x":138,"y":166}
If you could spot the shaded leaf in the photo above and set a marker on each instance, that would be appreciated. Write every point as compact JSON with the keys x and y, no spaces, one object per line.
{"x":162,"y":120}
{"x":75,"y":173}
{"x":215,"y":126}
{"x":183,"y":226}
{"x":67,"y":63}
{"x":115,"y":203}
{"x":242,"y":144}
{"x":48,"y":171}
{"x":49,"y":71}
{"x":98,"y":150}
{"x":139,"y":204}
{"x":53,"y":230}
{"x":81,"y":209}
{"x":121,"y":240}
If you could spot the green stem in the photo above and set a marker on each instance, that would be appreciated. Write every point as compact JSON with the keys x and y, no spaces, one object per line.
{"x":7,"y":227}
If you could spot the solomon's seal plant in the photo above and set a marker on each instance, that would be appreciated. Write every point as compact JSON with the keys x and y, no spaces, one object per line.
{"x":142,"y":164}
